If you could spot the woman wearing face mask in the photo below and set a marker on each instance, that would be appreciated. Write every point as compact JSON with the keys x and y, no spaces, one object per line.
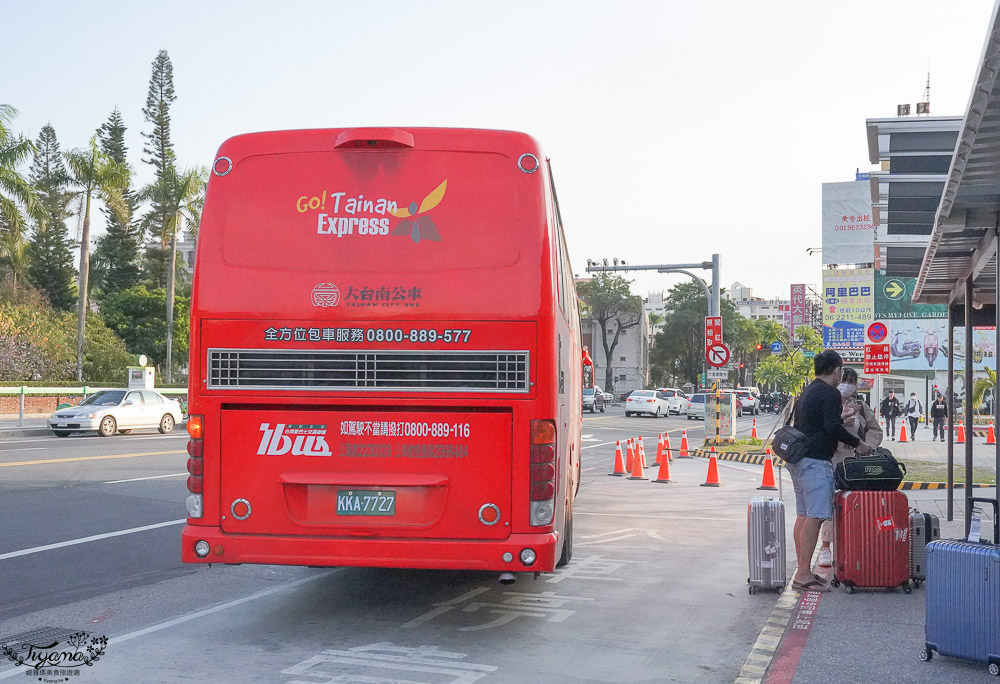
{"x":860,"y":420}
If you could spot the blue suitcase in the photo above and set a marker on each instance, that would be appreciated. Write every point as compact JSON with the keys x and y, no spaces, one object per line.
{"x":963,"y":600}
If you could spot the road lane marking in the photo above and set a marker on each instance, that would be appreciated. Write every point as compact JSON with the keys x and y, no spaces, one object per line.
{"x":89,"y":458}
{"x":29,"y":449}
{"x":201,"y":613}
{"x":151,"y":477}
{"x":84,"y":540}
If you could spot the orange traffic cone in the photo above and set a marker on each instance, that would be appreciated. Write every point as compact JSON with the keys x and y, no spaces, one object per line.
{"x":684,"y":446}
{"x":630,"y":459}
{"x":637,"y":472}
{"x":659,"y":450}
{"x":664,"y":474}
{"x":619,"y":466}
{"x":768,"y":480}
{"x":753,"y":432}
{"x":713,"y":472}
{"x":959,"y":434}
{"x":642,"y":452}
{"x":991,"y":437}
{"x":666,"y":446}
{"x":902,"y":432}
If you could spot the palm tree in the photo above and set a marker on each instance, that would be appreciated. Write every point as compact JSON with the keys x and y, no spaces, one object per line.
{"x":93,"y":172}
{"x":180,"y":198}
{"x":983,"y":384}
{"x":15,"y":192}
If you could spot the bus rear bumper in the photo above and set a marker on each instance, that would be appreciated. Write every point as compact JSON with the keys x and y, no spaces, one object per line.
{"x":376,"y":553}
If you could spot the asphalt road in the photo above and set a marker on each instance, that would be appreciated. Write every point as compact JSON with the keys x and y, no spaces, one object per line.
{"x":656,"y":591}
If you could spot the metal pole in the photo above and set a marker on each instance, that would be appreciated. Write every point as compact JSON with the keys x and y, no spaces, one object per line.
{"x":20,"y":408}
{"x":968,"y":404}
{"x":950,"y":389}
{"x":716,"y":303}
{"x":996,"y":367}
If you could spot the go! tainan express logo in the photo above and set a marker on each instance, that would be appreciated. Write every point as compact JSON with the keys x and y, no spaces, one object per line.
{"x":342,"y":215}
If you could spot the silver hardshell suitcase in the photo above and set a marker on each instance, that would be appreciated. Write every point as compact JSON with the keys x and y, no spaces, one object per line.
{"x":766,"y":544}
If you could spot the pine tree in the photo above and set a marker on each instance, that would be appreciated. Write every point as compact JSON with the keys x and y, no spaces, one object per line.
{"x":50,"y":251}
{"x":158,"y":148}
{"x":160,"y":153}
{"x":116,"y":264}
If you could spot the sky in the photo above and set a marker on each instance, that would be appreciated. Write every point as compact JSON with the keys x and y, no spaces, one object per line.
{"x":676,"y":130}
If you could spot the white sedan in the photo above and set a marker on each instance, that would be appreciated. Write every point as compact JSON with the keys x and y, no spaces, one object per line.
{"x":646,"y":401}
{"x":118,"y":410}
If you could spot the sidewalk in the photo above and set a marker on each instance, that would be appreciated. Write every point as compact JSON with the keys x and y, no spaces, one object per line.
{"x":34,"y":425}
{"x":871,"y":635}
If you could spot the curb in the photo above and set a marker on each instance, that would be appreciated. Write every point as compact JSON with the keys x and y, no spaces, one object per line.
{"x":7,"y":434}
{"x":756,"y":458}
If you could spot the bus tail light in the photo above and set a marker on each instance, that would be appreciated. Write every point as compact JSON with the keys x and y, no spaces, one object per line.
{"x":195,"y":467}
{"x":543,"y":471}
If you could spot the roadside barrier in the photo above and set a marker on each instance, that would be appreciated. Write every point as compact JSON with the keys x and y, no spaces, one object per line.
{"x":959,"y":434}
{"x":666,"y":446}
{"x":642,"y":452}
{"x":630,"y":456}
{"x":619,"y":465}
{"x":659,"y":450}
{"x":712,"y":480}
{"x":902,"y":432}
{"x":753,"y":432}
{"x":991,"y":437}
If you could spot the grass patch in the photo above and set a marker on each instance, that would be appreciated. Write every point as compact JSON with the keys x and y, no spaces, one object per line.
{"x":740,"y":445}
{"x":932,"y":471}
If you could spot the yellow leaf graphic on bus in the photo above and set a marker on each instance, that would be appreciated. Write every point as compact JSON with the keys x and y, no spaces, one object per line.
{"x":422,"y":227}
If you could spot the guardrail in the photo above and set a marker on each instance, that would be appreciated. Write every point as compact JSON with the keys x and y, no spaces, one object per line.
{"x":23,"y":390}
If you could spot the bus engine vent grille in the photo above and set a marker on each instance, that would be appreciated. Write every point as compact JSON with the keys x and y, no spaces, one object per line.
{"x":427,"y":371}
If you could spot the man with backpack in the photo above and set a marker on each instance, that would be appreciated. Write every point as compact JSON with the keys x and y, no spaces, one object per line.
{"x":889,"y":408}
{"x":913,"y":412}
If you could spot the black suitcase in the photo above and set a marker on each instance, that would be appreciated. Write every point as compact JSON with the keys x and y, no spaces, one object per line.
{"x":877,"y":471}
{"x":924,"y":528}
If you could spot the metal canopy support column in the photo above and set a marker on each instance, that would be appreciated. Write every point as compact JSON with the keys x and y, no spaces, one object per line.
{"x":968,"y":404}
{"x":950,"y":388}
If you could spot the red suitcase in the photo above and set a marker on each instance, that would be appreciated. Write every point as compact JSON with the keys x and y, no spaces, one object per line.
{"x":871,"y":540}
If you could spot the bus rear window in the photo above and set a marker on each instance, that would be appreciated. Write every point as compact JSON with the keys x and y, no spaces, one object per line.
{"x":362,"y":210}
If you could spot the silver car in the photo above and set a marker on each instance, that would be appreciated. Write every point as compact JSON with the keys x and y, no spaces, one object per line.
{"x":118,"y":410}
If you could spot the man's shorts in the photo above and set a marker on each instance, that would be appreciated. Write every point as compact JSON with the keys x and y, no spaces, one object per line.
{"x":812,"y":480}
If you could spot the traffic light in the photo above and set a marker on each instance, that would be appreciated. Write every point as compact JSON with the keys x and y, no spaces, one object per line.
{"x":758,"y":346}
{"x":741,"y":365}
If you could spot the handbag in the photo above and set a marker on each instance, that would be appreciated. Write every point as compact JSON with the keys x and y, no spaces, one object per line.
{"x":877,"y":471}
{"x":790,"y":444}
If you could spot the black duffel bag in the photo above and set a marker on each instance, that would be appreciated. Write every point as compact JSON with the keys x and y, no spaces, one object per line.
{"x":877,"y":471}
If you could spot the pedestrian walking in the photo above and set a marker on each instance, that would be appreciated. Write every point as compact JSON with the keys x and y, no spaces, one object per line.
{"x":939,"y":411}
{"x":913,"y":412}
{"x":817,"y":414}
{"x":889,"y":408}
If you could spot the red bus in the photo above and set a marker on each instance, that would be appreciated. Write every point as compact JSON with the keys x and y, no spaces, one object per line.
{"x":385,"y":354}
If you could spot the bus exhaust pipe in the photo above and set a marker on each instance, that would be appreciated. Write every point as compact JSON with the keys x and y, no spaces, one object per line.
{"x":507,"y":578}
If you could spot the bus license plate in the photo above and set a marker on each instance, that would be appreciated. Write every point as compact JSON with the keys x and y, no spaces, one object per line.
{"x":366,"y":502}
